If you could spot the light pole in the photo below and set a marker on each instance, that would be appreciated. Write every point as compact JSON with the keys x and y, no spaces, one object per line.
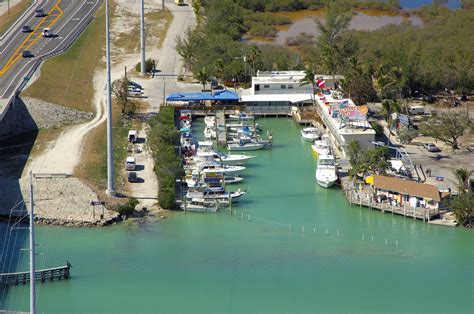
{"x":32,"y":251}
{"x":142,"y":35}
{"x":110,"y":145}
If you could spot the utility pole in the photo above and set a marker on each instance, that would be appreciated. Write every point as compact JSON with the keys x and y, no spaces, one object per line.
{"x":162,"y":5}
{"x":110,"y":145}
{"x":32,"y":251}
{"x":142,"y":36}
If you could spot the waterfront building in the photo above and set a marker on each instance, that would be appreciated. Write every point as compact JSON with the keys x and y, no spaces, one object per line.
{"x":344,"y":121}
{"x":281,"y":91}
{"x":406,"y":193}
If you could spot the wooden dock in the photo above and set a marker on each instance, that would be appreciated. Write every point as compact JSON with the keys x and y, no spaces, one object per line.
{"x":62,"y":272}
{"x":363,"y":199}
{"x":221,"y":128}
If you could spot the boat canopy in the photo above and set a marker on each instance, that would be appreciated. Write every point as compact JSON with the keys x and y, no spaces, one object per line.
{"x":222,"y":95}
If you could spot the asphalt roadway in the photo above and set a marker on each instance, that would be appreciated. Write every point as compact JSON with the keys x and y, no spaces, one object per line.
{"x":66,"y":18}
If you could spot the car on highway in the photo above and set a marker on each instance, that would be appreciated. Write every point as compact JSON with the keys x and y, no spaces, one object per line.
{"x":39,"y":13}
{"x":132,"y":177}
{"x":47,"y":33}
{"x":26,"y":29}
{"x":27,"y":54}
{"x":432,"y":148}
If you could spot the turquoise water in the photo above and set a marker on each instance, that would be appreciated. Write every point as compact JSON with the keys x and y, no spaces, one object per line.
{"x":218,"y":263}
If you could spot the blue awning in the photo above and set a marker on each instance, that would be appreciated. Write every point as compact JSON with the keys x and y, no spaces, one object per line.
{"x":222,"y":95}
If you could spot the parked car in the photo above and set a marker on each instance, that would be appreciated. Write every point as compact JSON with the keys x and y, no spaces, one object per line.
{"x":130,"y":163}
{"x":47,"y":33}
{"x":417,"y":110}
{"x":132,"y":176}
{"x":27,"y":54}
{"x":26,"y":29}
{"x":134,"y":92}
{"x":431,"y":147}
{"x":135,"y":85}
{"x":132,"y":136}
{"x":39,"y":13}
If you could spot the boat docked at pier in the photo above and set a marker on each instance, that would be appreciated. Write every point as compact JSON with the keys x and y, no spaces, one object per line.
{"x":200,"y":205}
{"x":326,"y":172}
{"x":322,"y":146}
{"x":243,"y":116}
{"x":247,"y":144}
{"x":205,"y":150}
{"x":310,"y":134}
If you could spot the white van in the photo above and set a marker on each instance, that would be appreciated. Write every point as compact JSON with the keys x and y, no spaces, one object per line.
{"x":179,"y":2}
{"x":132,"y":136}
{"x":130,"y":163}
{"x":420,"y":110}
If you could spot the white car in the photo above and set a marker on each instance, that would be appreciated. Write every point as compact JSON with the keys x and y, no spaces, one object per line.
{"x":47,"y":32}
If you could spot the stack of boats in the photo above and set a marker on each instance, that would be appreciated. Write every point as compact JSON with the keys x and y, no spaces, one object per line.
{"x":244,"y":134}
{"x":326,"y":170}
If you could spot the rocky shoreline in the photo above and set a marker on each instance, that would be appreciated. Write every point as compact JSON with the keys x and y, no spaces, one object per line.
{"x":48,"y":115}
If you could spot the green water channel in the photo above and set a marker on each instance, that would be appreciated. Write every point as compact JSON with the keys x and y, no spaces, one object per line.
{"x":218,"y":263}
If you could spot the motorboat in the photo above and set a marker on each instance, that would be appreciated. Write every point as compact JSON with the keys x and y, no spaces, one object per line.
{"x":241,"y":116}
{"x":200,"y":205}
{"x":210,"y":120}
{"x":221,"y":196}
{"x":210,"y":132}
{"x":205,"y":150}
{"x":185,"y":114}
{"x":326,"y":173}
{"x":310,"y":134}
{"x":246,"y":144}
{"x":322,"y":146}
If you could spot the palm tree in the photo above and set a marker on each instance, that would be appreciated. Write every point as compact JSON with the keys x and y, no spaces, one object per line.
{"x":463,"y":175}
{"x":219,"y":69}
{"x":252,"y":55}
{"x":203,"y":77}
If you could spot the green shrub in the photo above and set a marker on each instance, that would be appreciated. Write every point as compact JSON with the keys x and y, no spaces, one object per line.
{"x":148,"y":66}
{"x":377,"y":128}
{"x":128,"y":208}
{"x":263,"y":30}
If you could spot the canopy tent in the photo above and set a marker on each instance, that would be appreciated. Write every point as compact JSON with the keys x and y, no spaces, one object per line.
{"x":222,"y":95}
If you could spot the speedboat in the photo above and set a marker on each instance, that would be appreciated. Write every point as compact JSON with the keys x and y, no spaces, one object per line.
{"x":322,"y":146}
{"x":241,"y":116}
{"x":200,"y":205}
{"x":210,"y":132}
{"x":221,"y":196}
{"x":206,"y":151}
{"x":310,"y":134}
{"x":247,"y":144}
{"x":210,"y":120}
{"x":326,"y":174}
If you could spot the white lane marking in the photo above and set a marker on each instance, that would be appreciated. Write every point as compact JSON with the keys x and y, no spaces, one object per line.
{"x":19,"y":72}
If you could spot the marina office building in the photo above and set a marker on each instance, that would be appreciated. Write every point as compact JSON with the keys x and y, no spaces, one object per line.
{"x":280,"y":92}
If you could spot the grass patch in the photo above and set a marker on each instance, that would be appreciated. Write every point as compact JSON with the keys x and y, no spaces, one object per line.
{"x":156,"y":24}
{"x":67,"y":79}
{"x":7,"y":20}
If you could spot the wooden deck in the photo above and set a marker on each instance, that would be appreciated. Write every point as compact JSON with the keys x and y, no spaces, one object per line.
{"x":364,"y":199}
{"x":62,"y":272}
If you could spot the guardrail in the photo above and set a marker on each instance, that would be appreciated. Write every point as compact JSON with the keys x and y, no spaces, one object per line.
{"x":36,"y":65}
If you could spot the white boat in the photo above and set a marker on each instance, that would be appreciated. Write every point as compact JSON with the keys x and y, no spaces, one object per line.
{"x":326,"y":173}
{"x":205,"y":150}
{"x":221,"y":196}
{"x":215,"y":167}
{"x":322,"y":146}
{"x":210,"y":120}
{"x":310,"y":134}
{"x":210,"y":132}
{"x":241,"y":116}
{"x":200,"y":205}
{"x":247,"y":144}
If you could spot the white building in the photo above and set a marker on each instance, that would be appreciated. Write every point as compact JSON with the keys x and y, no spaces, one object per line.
{"x":280,"y":90}
{"x":344,"y":121}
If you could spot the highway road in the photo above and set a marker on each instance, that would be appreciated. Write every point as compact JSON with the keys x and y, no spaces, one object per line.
{"x":67,"y":18}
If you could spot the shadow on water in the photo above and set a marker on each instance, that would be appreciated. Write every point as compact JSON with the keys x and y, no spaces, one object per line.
{"x":14,"y":153}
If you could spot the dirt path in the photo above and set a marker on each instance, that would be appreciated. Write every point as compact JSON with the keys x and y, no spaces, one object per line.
{"x":146,"y":189}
